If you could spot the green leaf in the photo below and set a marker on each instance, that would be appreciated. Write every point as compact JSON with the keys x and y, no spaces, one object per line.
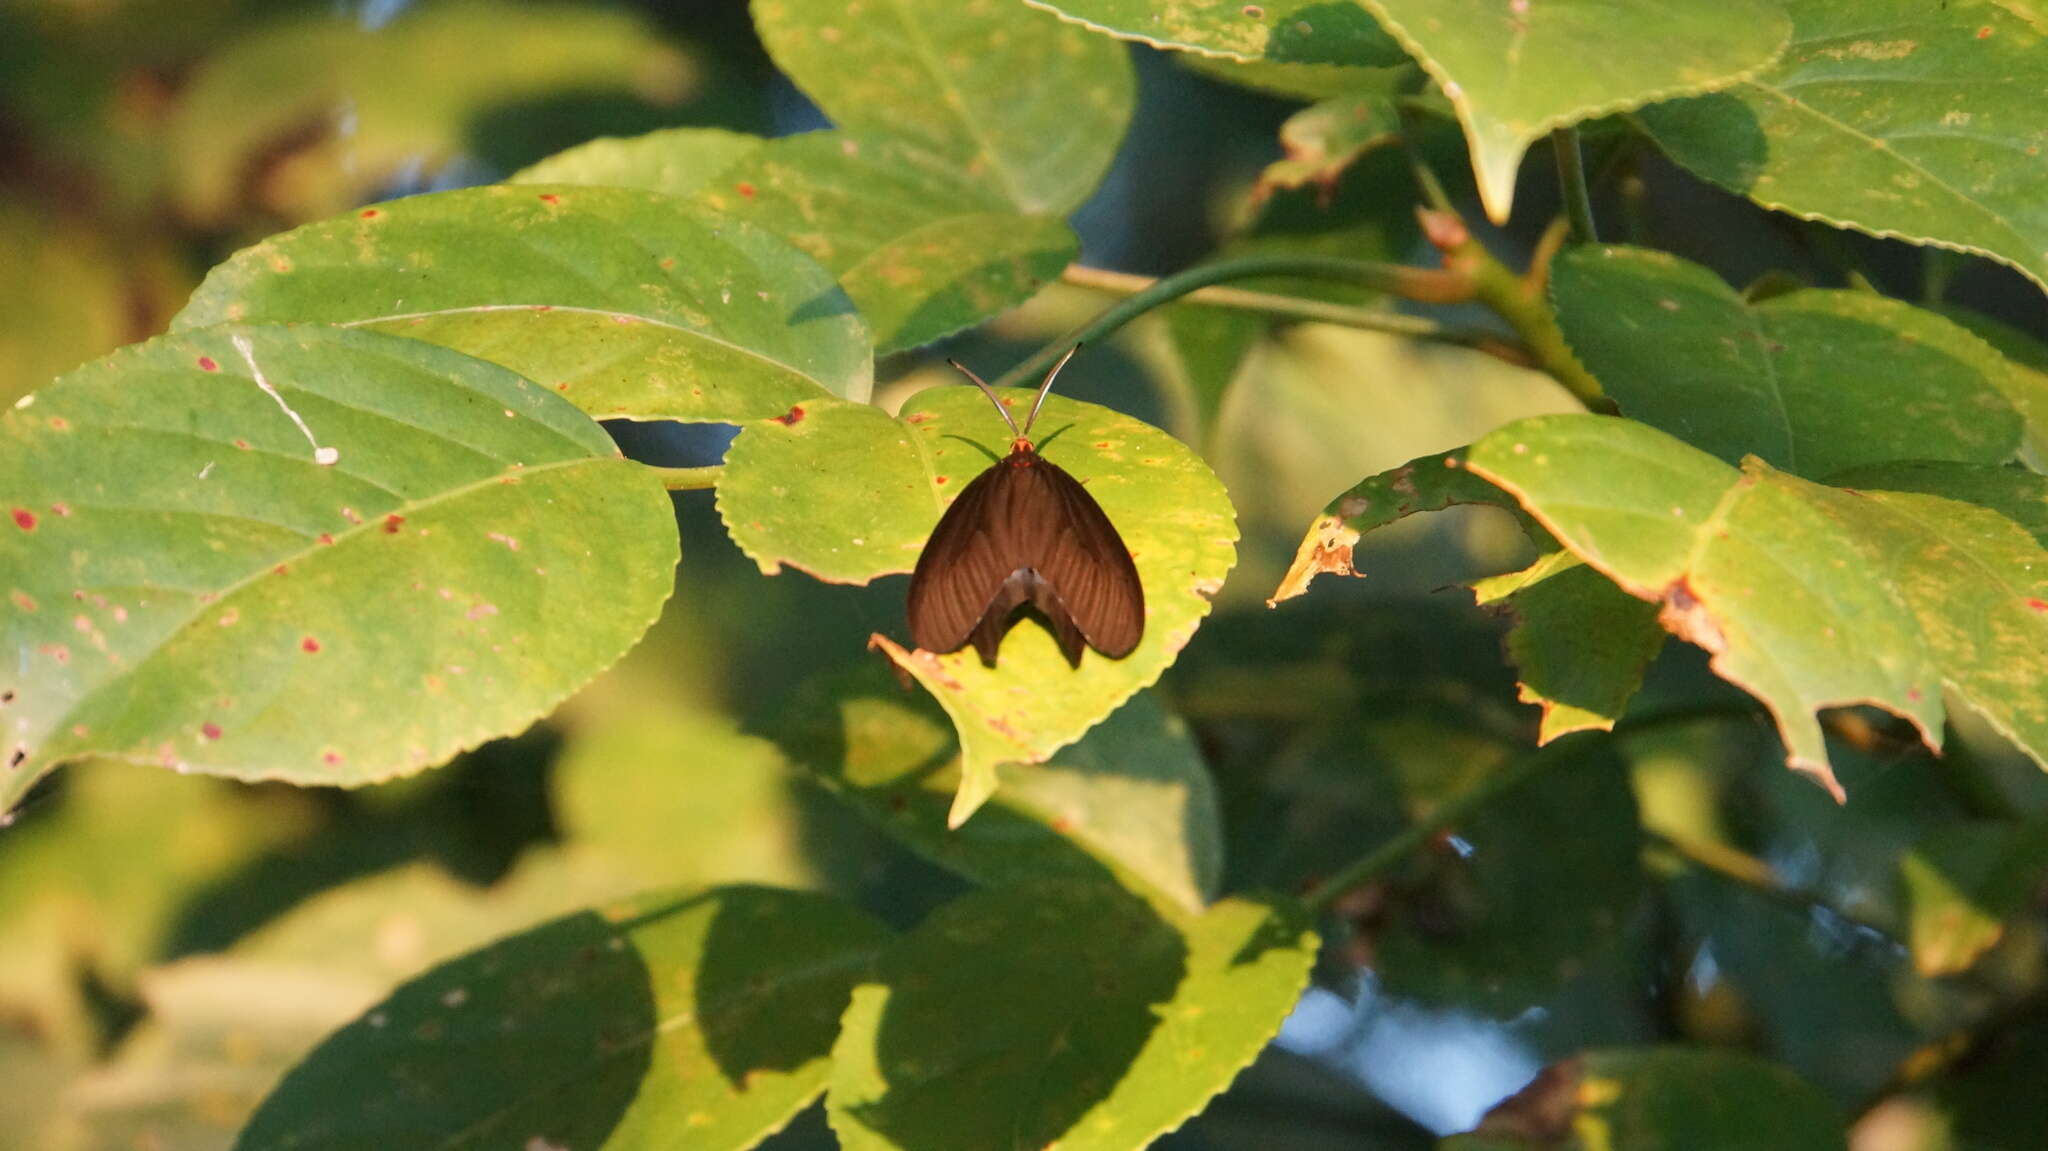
{"x":1302,"y":82}
{"x":1530,"y":887}
{"x":1580,"y":644}
{"x":1061,"y":1012}
{"x":68,"y":294}
{"x":1755,"y":566}
{"x":679,"y":796}
{"x":1813,"y":382}
{"x":189,"y":587}
{"x":624,"y":301}
{"x":1964,"y":884}
{"x":1322,"y":140}
{"x":704,"y":1019}
{"x":1284,"y":32}
{"x":1892,"y":117}
{"x":1976,"y":579}
{"x":380,"y":101}
{"x":677,"y":162}
{"x":2027,"y":385}
{"x":1028,"y":107}
{"x":787,"y":497}
{"x":922,"y":249}
{"x":1515,"y":72}
{"x":1661,"y":1099}
{"x":1132,"y":800}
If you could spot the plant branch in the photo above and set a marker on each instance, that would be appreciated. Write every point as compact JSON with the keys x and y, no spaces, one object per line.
{"x":1571,"y":179}
{"x":1517,"y":299}
{"x":1386,"y":856}
{"x":1319,"y":311}
{"x":1425,"y":284}
{"x":688,"y":479}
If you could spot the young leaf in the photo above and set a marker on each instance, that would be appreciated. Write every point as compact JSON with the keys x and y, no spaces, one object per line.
{"x":1516,"y":71}
{"x":1283,"y":32}
{"x":190,"y":586}
{"x":703,"y":1019}
{"x":787,"y":499}
{"x":1812,"y":382}
{"x":1061,"y":1012}
{"x":1763,"y":570}
{"x":1132,"y":801}
{"x":384,"y":100}
{"x":1029,"y":107}
{"x":1892,"y":117}
{"x":1322,"y":140}
{"x":1661,"y":1099}
{"x":626,"y":302}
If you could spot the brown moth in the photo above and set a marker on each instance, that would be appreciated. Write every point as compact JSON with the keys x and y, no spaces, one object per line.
{"x":1025,"y":535}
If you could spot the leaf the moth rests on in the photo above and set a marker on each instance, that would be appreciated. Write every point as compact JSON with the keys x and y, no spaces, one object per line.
{"x":786,"y":500}
{"x":1515,"y":72}
{"x":189,"y":586}
{"x":1892,"y":117}
{"x":627,"y":302}
{"x":1811,"y":381}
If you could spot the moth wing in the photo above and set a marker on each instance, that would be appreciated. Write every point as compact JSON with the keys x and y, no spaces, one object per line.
{"x":963,"y":566}
{"x":1077,"y":551}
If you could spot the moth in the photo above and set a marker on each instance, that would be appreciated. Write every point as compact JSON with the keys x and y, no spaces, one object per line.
{"x":1025,"y":536}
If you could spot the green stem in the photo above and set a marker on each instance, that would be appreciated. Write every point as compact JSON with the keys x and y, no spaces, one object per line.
{"x":1412,"y":283}
{"x":1571,"y":179}
{"x":1319,"y":311}
{"x":1520,"y":302}
{"x":1426,"y":180}
{"x":1386,"y":856}
{"x":688,"y":479}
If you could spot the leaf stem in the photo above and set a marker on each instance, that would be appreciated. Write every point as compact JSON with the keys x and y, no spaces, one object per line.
{"x":688,"y":479}
{"x":1409,"y":283}
{"x":1517,"y":299}
{"x":1571,"y":180}
{"x":1295,"y":308}
{"x":1383,"y":858}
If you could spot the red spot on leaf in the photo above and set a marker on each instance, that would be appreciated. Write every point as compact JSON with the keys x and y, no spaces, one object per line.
{"x":744,"y":189}
{"x":942,"y":481}
{"x":326,"y":539}
{"x":2038,"y":604}
{"x":1984,"y":33}
{"x":242,"y":444}
{"x":210,"y":730}
{"x":61,"y":509}
{"x":1913,"y":694}
{"x":281,"y":569}
{"x":208,"y":364}
{"x":24,"y":601}
{"x":370,"y":213}
{"x":59,"y":424}
{"x":917,"y":417}
{"x":550,"y":198}
{"x":392,"y":523}
{"x":543,"y":307}
{"x":309,"y":645}
{"x":330,"y":758}
{"x":790,"y":417}
{"x":25,"y":519}
{"x":56,"y":651}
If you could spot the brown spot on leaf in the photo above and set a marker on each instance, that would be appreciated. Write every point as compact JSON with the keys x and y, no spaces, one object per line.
{"x":744,"y":189}
{"x":1541,"y":1112}
{"x":370,"y":213}
{"x":1327,"y":548}
{"x":392,"y":523}
{"x":1685,"y":617}
{"x":791,"y":417}
{"x":549,"y":198}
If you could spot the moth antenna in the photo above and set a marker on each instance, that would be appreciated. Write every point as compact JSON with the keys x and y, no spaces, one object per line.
{"x":1044,"y":388}
{"x":990,"y":393}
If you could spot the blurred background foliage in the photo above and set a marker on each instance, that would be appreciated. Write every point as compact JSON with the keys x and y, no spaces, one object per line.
{"x":169,"y":945}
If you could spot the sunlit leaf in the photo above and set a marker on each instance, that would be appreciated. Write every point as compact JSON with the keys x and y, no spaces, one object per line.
{"x":624,"y":301}
{"x":189,"y":586}
{"x":1813,"y":382}
{"x":704,"y":1018}
{"x":1580,"y":644}
{"x":1025,"y":105}
{"x":787,"y":499}
{"x":1061,"y":1012}
{"x":676,"y":162}
{"x":1516,"y":71}
{"x":1283,"y":32}
{"x":1893,"y":117}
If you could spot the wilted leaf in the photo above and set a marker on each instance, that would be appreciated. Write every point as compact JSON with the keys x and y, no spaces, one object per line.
{"x":1893,"y":117}
{"x":1028,"y":107}
{"x":1061,"y":1012}
{"x":626,"y":302}
{"x":703,"y":1018}
{"x":1813,"y":382}
{"x":787,"y":497}
{"x":1515,"y":72}
{"x":190,"y":587}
